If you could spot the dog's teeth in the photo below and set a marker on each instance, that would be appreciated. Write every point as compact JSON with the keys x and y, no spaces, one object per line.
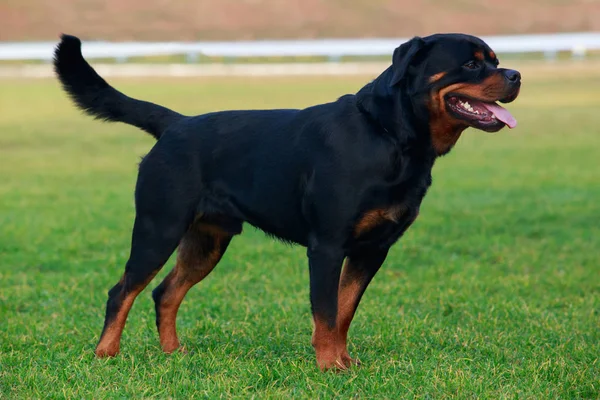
{"x":493,"y":116}
{"x":466,"y":106}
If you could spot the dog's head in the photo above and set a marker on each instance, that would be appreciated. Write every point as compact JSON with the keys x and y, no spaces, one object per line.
{"x":446,"y":82}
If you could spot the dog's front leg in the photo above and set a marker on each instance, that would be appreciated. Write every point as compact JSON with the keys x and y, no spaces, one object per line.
{"x":325,"y":264}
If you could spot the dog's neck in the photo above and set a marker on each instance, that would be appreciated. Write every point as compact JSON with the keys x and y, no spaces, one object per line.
{"x":400,"y":115}
{"x":387,"y":106}
{"x":444,"y":135}
{"x":377,"y":101}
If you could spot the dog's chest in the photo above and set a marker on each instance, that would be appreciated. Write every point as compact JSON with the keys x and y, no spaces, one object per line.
{"x":383,"y":225}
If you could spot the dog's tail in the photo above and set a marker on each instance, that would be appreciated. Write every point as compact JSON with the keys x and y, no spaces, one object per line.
{"x":93,"y":95}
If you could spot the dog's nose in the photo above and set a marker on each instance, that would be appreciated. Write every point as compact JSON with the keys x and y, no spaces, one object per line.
{"x":512,"y":75}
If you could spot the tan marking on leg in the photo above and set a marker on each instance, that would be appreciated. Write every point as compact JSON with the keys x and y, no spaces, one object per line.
{"x":325,"y":341}
{"x":349,"y":292}
{"x":170,"y":302}
{"x":109,"y":343}
{"x":192,"y":266}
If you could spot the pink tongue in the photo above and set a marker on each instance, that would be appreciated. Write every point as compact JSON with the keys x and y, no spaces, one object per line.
{"x":502,"y":114}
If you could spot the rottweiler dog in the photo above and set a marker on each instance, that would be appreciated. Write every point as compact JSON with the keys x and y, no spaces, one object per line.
{"x":344,"y":179}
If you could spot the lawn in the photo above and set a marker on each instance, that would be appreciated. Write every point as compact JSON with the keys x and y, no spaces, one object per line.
{"x":493,"y":293}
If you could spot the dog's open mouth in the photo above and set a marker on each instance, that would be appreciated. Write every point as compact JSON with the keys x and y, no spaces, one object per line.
{"x":481,"y":115}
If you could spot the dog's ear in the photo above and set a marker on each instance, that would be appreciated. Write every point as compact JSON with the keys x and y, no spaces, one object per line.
{"x":403,"y":57}
{"x":379,"y":99}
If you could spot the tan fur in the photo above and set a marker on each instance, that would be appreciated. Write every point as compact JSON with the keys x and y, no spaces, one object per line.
{"x":111,"y":337}
{"x":325,"y":340}
{"x":348,"y":294}
{"x":191,"y":267}
{"x":375,"y":217}
{"x":445,"y":129}
{"x":437,"y":77}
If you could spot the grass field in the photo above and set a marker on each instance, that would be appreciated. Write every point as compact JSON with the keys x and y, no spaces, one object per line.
{"x":493,"y":293}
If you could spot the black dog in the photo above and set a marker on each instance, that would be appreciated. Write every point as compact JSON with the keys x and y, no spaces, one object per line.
{"x":344,"y":179}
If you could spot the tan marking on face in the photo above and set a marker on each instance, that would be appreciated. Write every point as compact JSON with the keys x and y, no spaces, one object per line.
{"x":492,"y":55}
{"x":445,"y":128}
{"x":490,"y":89}
{"x":479,"y":55}
{"x":437,"y":77}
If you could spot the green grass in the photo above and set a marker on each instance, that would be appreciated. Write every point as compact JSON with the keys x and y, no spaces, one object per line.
{"x":493,"y":293}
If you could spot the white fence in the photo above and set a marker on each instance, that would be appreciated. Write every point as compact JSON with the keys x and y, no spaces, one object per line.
{"x":549,"y":44}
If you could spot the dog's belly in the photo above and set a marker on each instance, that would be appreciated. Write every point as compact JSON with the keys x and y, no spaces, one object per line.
{"x":277,"y":214}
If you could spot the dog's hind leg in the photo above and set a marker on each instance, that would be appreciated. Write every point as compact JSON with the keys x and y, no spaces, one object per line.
{"x":152,"y":245}
{"x":164,"y":211}
{"x":199,"y":252}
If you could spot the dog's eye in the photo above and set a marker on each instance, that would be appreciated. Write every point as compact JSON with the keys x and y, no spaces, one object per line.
{"x":472,"y":65}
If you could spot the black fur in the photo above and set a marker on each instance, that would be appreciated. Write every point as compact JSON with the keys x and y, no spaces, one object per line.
{"x":93,"y":95}
{"x":305,"y":176}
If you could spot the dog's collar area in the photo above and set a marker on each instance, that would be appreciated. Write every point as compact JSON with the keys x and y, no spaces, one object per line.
{"x":361,"y":107}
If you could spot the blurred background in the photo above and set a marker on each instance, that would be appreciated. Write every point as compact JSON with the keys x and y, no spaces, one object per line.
{"x":190,"y":20}
{"x":492,"y":293}
{"x":251,"y":31}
